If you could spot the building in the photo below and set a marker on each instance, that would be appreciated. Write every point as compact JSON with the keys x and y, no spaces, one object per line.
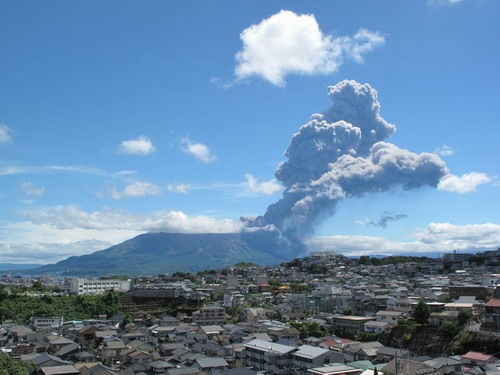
{"x":210,"y":315}
{"x":95,"y":286}
{"x":376,"y":327}
{"x":349,"y":325}
{"x":437,"y":319}
{"x":335,"y":369}
{"x":268,"y":356}
{"x":46,"y":322}
{"x":491,"y":320}
{"x":403,"y":366}
{"x":390,"y":317}
{"x":307,"y":357}
{"x":478,"y":358}
{"x":446,"y":365}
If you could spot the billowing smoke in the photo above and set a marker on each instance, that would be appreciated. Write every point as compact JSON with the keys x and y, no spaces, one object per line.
{"x":339,"y":154}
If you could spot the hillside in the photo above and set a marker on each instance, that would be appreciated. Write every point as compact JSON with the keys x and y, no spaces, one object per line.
{"x":17,"y":266}
{"x":159,"y":253}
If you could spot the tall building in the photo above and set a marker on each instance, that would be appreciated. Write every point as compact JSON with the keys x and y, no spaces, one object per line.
{"x":94,"y":286}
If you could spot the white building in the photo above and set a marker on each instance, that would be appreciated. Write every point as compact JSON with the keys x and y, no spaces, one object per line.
{"x":46,"y":322}
{"x":94,"y":286}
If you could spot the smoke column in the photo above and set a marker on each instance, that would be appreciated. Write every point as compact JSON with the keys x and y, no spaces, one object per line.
{"x":339,"y":154}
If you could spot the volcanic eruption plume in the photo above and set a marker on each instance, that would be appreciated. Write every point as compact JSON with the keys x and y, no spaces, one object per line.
{"x":339,"y":154}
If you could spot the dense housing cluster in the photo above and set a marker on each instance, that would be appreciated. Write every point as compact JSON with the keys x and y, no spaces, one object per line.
{"x":322,"y":314}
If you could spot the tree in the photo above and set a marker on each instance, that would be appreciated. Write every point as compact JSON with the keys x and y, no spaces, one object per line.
{"x":37,"y":285}
{"x":449,"y":330}
{"x":9,"y":366}
{"x":464,"y":317}
{"x":422,"y":312}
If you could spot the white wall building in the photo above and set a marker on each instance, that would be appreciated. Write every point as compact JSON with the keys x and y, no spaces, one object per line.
{"x":94,"y":286}
{"x":46,"y":322}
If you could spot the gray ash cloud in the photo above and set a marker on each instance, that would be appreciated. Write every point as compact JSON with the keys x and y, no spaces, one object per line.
{"x":342,"y":153}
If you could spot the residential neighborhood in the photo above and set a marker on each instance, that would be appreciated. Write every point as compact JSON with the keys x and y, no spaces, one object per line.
{"x":322,"y":314}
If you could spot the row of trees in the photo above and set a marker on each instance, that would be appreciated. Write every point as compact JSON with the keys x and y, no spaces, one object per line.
{"x":21,"y":308}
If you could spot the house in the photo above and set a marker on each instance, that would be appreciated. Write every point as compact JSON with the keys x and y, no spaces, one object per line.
{"x":446,"y":365}
{"x":491,"y":321}
{"x":210,"y":315}
{"x":390,"y":317}
{"x":43,"y":360}
{"x":335,"y":369}
{"x":307,"y":357}
{"x":211,"y":330}
{"x":160,"y":367}
{"x":359,"y":351}
{"x":376,"y":327}
{"x":289,"y":334}
{"x":437,"y":319}
{"x":478,"y":358}
{"x":210,"y":364}
{"x":268,"y":356}
{"x":59,"y":370}
{"x":403,"y":366}
{"x":349,"y":325}
{"x":386,"y":354}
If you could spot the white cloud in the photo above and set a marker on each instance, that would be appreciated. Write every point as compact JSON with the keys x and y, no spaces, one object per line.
{"x":32,"y":190}
{"x":140,"y":146}
{"x":465,"y":183}
{"x":436,"y":237}
{"x":137,"y":189}
{"x":444,"y":2}
{"x":45,"y":253}
{"x":14,"y":169}
{"x":54,"y":233}
{"x":71,"y":217}
{"x":199,"y":150}
{"x":177,"y":187}
{"x":444,"y":150}
{"x":5,"y":134}
{"x":289,"y":43}
{"x":269,"y":187}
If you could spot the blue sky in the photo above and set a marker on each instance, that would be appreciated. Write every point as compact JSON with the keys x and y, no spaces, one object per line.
{"x":79,"y":79}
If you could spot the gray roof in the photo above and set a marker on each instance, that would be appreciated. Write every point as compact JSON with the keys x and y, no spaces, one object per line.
{"x":267,"y":346}
{"x":308,"y":351}
{"x":209,"y":362}
{"x":62,"y":370}
{"x":339,"y":368}
{"x":376,"y":324}
{"x":389,"y":313}
{"x":183,"y":371}
{"x":443,"y":361}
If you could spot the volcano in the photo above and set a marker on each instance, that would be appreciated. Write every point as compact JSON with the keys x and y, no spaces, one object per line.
{"x":162,"y":253}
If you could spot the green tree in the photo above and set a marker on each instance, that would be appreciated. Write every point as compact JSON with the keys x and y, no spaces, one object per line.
{"x":37,"y":285}
{"x":422,"y":312}
{"x":449,"y":330}
{"x":464,"y":317}
{"x":10,"y":366}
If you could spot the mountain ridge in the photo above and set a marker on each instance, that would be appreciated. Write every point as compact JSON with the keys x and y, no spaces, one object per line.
{"x":161,"y":252}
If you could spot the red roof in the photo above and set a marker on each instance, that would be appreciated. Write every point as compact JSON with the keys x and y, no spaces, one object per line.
{"x":493,"y":303}
{"x":337,"y":341}
{"x":477,"y":356}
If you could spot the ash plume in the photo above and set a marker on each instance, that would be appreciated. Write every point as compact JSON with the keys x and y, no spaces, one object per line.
{"x":342,"y":153}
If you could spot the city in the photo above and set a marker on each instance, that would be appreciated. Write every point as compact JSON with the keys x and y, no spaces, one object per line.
{"x":323,"y":314}
{"x":231,"y":187}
